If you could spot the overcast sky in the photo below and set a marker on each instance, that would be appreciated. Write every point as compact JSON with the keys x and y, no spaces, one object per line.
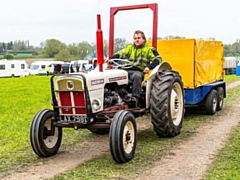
{"x":74,"y":21}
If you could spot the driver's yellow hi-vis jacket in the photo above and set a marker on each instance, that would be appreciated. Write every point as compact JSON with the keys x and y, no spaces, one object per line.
{"x":144,"y":56}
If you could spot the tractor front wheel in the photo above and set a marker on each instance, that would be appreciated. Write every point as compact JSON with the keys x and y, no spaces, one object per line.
{"x":122,"y":136}
{"x":45,"y":140}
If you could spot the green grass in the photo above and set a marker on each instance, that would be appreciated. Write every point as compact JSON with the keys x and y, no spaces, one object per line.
{"x":231,"y":78}
{"x":227,"y":163}
{"x":21,"y":98}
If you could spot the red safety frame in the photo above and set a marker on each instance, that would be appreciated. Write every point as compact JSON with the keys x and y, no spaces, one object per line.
{"x":113,"y":12}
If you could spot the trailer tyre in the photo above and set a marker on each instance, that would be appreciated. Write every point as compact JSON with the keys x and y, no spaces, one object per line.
{"x":43,"y":143}
{"x":211,"y":102}
{"x":122,"y":136}
{"x":167,"y":103}
{"x":220,"y":97}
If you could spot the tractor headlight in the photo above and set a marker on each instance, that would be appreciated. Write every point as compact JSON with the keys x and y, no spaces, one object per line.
{"x":96,"y":104}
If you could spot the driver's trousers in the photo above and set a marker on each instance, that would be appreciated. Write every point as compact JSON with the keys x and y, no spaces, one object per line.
{"x":136,"y":77}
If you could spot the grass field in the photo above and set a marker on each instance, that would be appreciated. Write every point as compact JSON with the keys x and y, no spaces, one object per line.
{"x":21,"y":98}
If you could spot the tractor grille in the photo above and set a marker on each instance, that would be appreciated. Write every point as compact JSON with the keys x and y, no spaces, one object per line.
{"x":71,"y":97}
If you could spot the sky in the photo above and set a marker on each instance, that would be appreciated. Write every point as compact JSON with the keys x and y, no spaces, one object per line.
{"x":74,"y":21}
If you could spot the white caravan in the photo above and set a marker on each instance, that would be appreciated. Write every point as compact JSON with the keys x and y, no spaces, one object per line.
{"x":78,"y":65}
{"x":13,"y":68}
{"x":52,"y":64}
{"x":39,"y":67}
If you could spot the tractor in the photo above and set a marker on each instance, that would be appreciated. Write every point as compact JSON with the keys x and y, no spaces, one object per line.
{"x":97,"y":101}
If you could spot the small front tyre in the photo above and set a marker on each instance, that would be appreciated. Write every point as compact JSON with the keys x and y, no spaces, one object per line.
{"x":122,"y":136}
{"x":43,"y":142}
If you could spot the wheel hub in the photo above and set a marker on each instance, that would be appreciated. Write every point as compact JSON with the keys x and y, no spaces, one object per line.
{"x":128,"y":137}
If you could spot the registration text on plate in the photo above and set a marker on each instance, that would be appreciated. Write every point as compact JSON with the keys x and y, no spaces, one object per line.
{"x":79,"y":119}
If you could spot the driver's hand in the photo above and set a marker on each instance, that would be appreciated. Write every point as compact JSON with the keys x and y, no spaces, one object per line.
{"x":108,"y":61}
{"x":146,"y":70}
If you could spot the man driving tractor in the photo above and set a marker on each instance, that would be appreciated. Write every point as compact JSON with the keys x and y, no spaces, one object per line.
{"x":144,"y":58}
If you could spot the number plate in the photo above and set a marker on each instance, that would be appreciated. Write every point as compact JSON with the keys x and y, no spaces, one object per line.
{"x":79,"y":119}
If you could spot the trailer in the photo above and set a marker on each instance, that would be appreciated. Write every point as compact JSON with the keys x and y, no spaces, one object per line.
{"x":13,"y":68}
{"x":200,"y":64}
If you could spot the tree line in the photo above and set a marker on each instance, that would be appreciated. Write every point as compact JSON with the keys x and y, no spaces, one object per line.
{"x":53,"y":48}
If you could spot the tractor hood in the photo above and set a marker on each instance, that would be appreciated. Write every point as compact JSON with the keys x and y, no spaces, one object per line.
{"x":96,"y":79}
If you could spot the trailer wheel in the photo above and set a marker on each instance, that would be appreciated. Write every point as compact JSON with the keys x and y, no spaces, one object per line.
{"x":211,"y":102}
{"x":43,"y":143}
{"x":167,"y":103}
{"x":122,"y":136}
{"x":220,"y":97}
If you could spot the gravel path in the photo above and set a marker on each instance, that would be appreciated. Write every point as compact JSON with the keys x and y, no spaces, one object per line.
{"x":192,"y":158}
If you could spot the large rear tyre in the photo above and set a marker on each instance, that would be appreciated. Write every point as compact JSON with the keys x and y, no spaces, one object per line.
{"x":211,"y":102}
{"x":220,"y":97}
{"x":43,"y":142}
{"x":122,"y":136}
{"x":167,"y":103}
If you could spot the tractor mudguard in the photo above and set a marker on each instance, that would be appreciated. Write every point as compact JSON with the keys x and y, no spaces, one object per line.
{"x":149,"y":77}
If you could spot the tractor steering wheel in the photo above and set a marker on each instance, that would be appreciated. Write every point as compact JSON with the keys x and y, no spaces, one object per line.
{"x":121,"y":63}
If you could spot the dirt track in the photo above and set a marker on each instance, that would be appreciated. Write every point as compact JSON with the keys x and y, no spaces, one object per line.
{"x":187,"y":161}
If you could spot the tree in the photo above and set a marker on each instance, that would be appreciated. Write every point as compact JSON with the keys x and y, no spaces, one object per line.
{"x":52,"y":47}
{"x":4,"y":47}
{"x":228,"y":50}
{"x":236,"y":48}
{"x":119,"y":43}
{"x":105,"y":46}
{"x":73,"y":50}
{"x":174,"y":37}
{"x":8,"y":56}
{"x":63,"y":55}
{"x":85,"y":50}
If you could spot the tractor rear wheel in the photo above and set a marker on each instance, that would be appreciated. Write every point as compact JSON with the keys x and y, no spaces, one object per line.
{"x":43,"y":142}
{"x":122,"y":136}
{"x":167,"y":103}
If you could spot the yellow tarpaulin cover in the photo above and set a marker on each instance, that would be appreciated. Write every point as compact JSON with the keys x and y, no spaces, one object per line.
{"x":198,"y":61}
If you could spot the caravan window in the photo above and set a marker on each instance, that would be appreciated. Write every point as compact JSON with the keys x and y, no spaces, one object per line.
{"x":12,"y":66}
{"x":2,"y":67}
{"x":43,"y":66}
{"x":34,"y":67}
{"x":22,"y":66}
